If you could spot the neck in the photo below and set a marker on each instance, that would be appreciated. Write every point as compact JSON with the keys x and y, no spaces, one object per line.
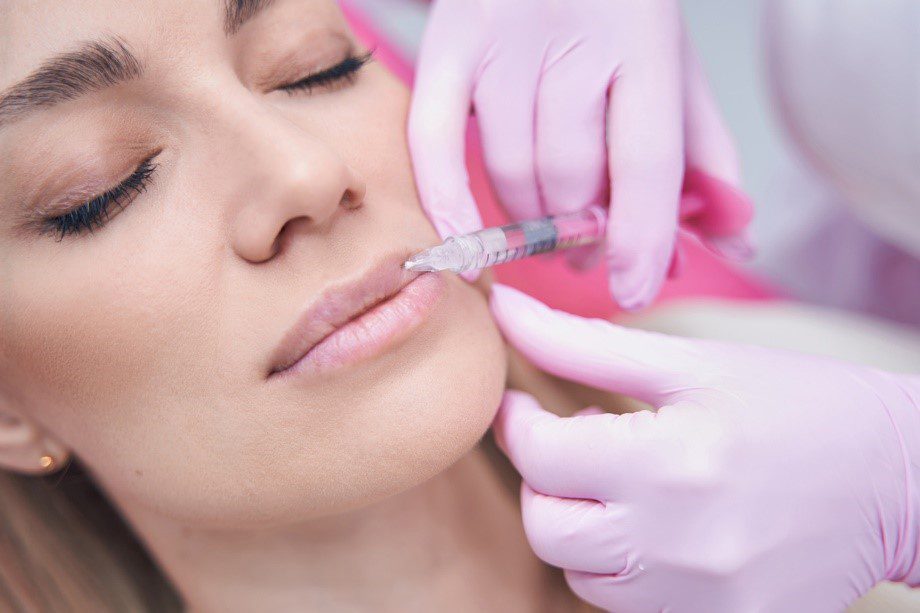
{"x":454,"y":543}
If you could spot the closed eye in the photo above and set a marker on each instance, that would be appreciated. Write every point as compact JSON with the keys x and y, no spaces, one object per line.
{"x":342,"y":73}
{"x":94,"y":213}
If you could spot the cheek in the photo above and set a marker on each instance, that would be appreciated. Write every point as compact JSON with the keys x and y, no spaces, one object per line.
{"x":369,"y":131}
{"x":122,"y":354}
{"x":91,"y":339}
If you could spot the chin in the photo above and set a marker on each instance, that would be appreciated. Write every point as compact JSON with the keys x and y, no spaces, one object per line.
{"x":439,"y":397}
{"x":382,"y":428}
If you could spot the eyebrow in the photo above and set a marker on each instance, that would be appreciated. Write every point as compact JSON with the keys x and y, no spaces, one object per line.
{"x":238,"y":12}
{"x":95,"y":66}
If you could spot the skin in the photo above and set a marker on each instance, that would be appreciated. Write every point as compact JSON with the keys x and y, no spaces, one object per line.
{"x":143,"y":348}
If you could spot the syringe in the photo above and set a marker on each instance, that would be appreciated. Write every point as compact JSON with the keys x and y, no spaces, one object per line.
{"x":512,"y":242}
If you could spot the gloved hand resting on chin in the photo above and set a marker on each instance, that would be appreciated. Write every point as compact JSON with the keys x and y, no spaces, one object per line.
{"x":766,"y":480}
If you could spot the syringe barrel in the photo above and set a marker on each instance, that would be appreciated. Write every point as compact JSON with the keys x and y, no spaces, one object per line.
{"x":519,"y":240}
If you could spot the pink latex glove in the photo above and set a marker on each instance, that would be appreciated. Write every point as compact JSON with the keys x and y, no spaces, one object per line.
{"x":766,"y":481}
{"x":578,"y":103}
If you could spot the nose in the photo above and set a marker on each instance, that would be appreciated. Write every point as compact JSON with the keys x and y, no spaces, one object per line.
{"x":284,"y":174}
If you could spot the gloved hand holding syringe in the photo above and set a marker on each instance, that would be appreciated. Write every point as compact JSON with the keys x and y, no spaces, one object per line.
{"x":513,"y":242}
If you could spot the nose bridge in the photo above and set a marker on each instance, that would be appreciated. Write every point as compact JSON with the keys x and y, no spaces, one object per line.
{"x":279,"y":172}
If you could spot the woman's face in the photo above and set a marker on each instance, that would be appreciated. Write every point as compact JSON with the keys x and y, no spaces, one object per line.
{"x":191,"y":196}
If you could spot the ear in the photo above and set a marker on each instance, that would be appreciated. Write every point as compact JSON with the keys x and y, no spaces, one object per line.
{"x":27,"y":448}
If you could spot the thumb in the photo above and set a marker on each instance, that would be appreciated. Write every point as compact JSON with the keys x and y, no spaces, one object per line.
{"x":644,"y":365}
{"x":712,"y":207}
{"x":584,"y":457}
{"x":437,"y":142}
{"x":718,"y":214}
{"x":439,"y":116}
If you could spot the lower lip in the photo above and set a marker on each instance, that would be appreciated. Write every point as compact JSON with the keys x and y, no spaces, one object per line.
{"x":376,"y":331}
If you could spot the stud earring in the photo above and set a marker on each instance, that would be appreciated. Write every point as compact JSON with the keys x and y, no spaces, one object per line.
{"x":46,"y":462}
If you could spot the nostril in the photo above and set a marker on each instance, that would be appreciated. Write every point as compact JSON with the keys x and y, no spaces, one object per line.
{"x":293,"y":227}
{"x":352,"y":199}
{"x":275,"y":247}
{"x":349,"y":202}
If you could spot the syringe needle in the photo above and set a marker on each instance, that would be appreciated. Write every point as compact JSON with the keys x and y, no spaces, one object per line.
{"x":441,"y":257}
{"x":421,"y":262}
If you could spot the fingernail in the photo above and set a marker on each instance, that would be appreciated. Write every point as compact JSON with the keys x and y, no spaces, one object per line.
{"x":446,"y":227}
{"x":504,"y":295}
{"x":471,"y":276}
{"x":514,"y":308}
{"x":633,"y":304}
{"x":735,"y":248}
{"x":632,"y":291}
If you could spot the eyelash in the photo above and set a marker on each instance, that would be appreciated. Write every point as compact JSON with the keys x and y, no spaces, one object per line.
{"x":343,"y":72}
{"x":93,"y":214}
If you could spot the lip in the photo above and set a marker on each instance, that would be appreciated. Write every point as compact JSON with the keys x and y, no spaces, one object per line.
{"x":358,"y":320}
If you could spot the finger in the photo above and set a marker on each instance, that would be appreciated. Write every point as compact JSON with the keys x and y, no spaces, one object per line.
{"x":626,"y":592}
{"x":587,"y":457}
{"x":713,"y":206}
{"x":736,"y":248}
{"x":575,"y":534}
{"x":571,"y":148}
{"x":638,"y":589}
{"x":713,"y":170}
{"x":505,"y":100}
{"x":438,"y":120}
{"x":584,"y":258}
{"x":644,"y":365}
{"x":678,"y":260}
{"x":718,"y":214}
{"x":646,"y":159}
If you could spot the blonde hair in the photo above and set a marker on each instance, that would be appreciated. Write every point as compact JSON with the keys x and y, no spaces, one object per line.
{"x":63,"y":547}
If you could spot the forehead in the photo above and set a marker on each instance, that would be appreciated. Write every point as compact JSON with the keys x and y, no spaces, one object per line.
{"x":32,"y":30}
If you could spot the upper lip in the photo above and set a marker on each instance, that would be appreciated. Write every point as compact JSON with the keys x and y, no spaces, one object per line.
{"x":339,"y":305}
